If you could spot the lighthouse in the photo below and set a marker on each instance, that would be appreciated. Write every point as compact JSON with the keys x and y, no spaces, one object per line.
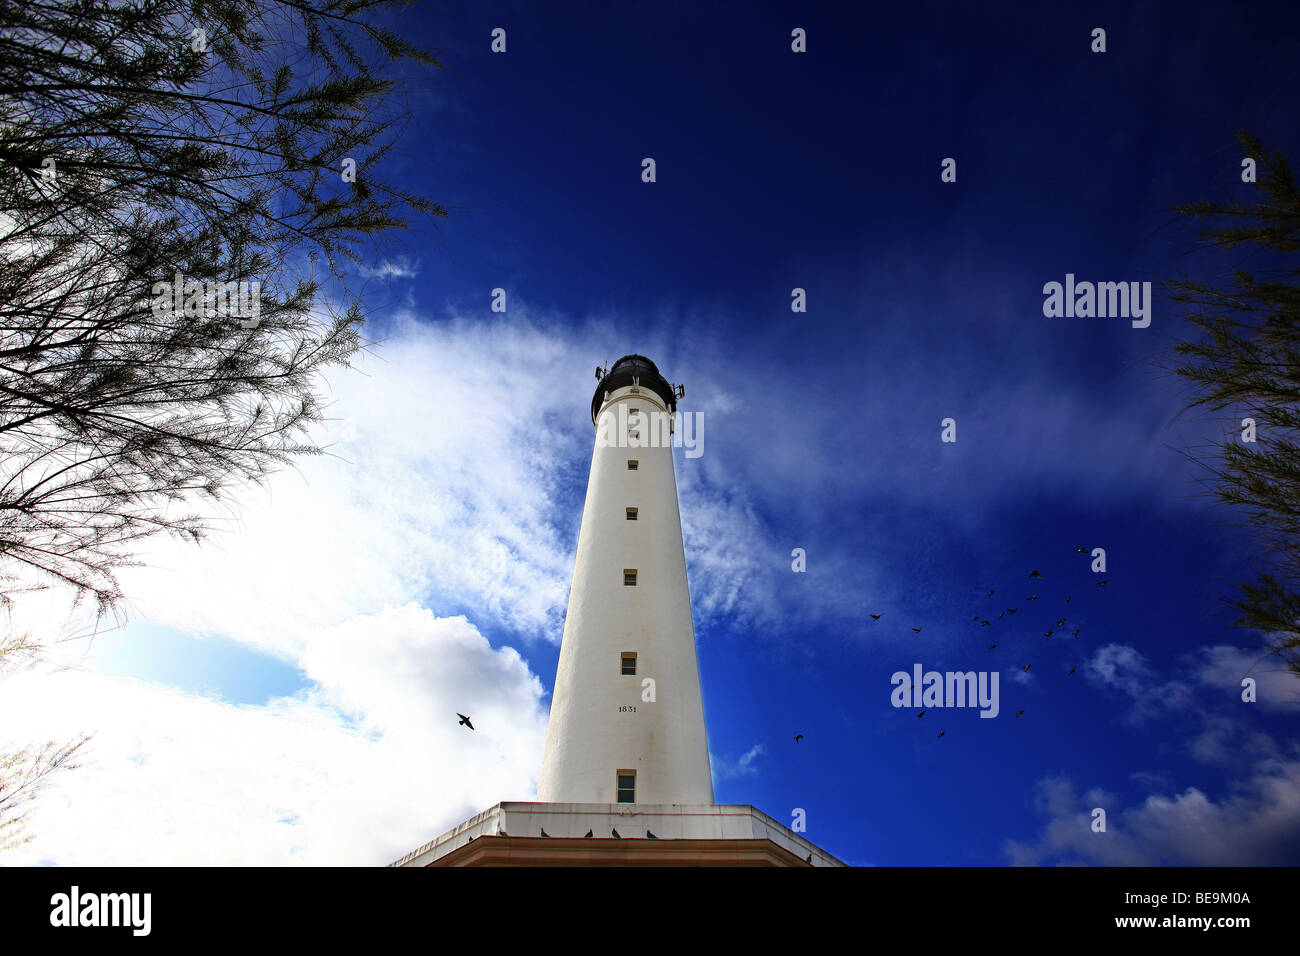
{"x":625,"y":777}
{"x":627,"y":717}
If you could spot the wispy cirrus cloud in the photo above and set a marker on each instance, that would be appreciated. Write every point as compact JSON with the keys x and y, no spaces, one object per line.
{"x":1121,"y":668}
{"x":746,"y":765}
{"x":399,"y":268}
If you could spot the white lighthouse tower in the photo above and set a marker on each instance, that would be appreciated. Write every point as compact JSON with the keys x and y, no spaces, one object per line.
{"x":625,"y":771}
{"x":627,"y":719}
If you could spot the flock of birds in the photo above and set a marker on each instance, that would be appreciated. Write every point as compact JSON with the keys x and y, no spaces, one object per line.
{"x":1059,"y":627}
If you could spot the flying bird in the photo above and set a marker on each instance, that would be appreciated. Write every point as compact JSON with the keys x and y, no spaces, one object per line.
{"x":942,"y":732}
{"x":1012,"y":610}
{"x":1033,"y":597}
{"x":991,"y":646}
{"x":917,"y":629}
{"x":1067,"y":600}
{"x":1080,"y":550}
{"x":875,"y":617}
{"x":992,"y":591}
{"x":798,"y":737}
{"x":1102,"y":584}
{"x":986,"y":624}
{"x":1000,"y":616}
{"x":464,"y":722}
{"x":1076,"y":632}
{"x":1019,"y":712}
{"x":1071,"y":672}
{"x":921,"y":714}
{"x":1061,"y":623}
{"x":975,"y":618}
{"x":1049,"y":633}
{"x":1026,"y":668}
{"x":1034,"y":574}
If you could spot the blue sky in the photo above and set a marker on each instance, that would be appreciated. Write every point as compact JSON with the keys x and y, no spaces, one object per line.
{"x":462,"y":445}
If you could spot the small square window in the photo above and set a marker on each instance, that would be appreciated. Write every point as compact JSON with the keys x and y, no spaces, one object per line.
{"x":628,"y":668}
{"x":629,"y":577}
{"x":627,"y":786}
{"x":631,"y":514}
{"x":632,"y":464}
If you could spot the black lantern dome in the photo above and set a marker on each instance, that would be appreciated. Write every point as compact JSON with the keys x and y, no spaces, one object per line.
{"x":633,"y":370}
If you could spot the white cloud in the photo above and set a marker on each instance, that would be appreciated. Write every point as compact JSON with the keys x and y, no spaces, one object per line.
{"x":439,"y":487}
{"x":744,"y":766}
{"x":456,"y":474}
{"x":1258,"y":823}
{"x":458,"y":461}
{"x":1121,"y":667}
{"x":457,"y":465}
{"x":1224,"y":667}
{"x":399,"y":268}
{"x":1124,"y":669}
{"x":1231,"y":741}
{"x":366,"y":765}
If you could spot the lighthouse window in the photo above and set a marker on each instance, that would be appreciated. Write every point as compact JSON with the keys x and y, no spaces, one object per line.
{"x":629,"y":664}
{"x":631,"y":514}
{"x":627,"y":786}
{"x":629,"y":577}
{"x":632,"y":464}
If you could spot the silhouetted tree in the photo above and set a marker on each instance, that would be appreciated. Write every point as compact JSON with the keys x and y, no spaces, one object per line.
{"x":24,"y":770}
{"x":224,"y":142}
{"x":1245,"y":356}
{"x":221,"y":141}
